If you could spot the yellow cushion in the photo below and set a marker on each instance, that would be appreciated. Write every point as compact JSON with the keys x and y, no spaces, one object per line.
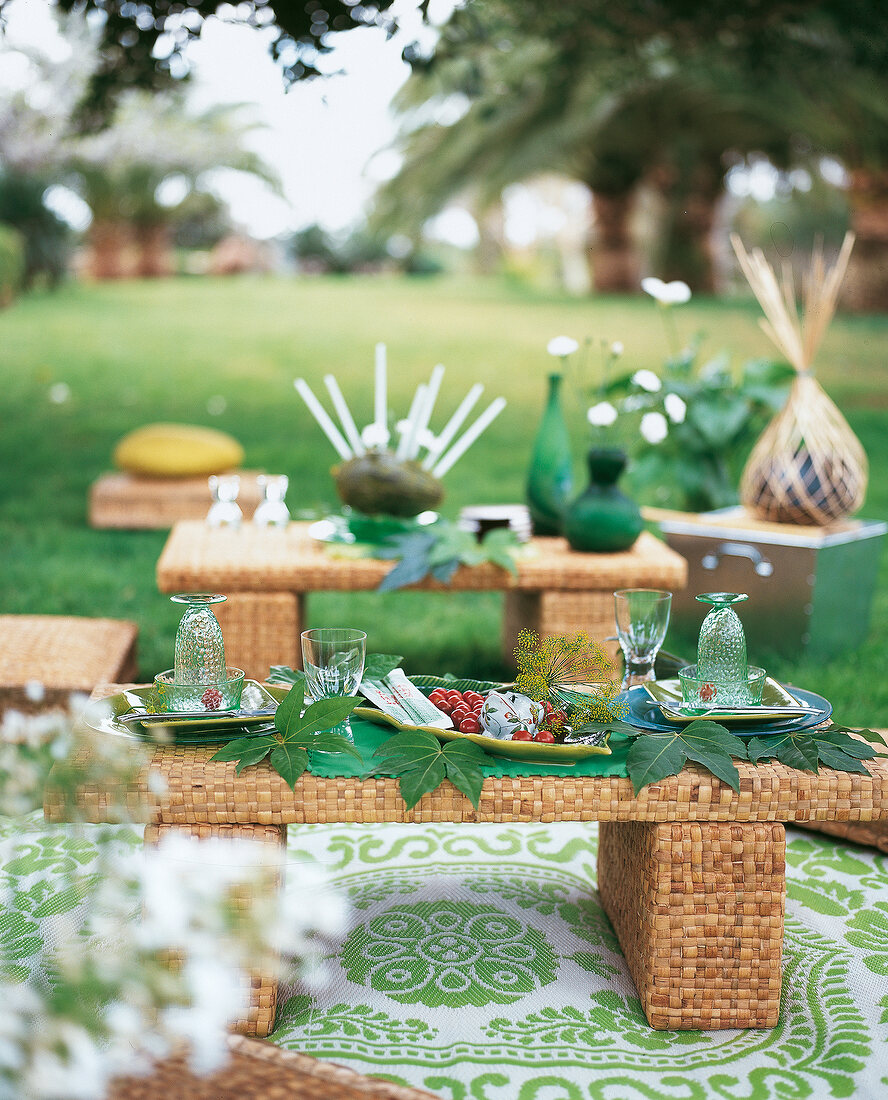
{"x":177,"y":450}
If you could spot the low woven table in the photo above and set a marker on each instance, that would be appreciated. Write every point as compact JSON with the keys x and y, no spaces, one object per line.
{"x":267,"y":574}
{"x":691,"y":873}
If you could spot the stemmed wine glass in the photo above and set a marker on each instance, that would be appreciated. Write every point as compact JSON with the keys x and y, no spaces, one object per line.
{"x":642,"y":616}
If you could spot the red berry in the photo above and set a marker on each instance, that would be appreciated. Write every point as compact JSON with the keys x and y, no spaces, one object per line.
{"x":545,"y":736}
{"x":443,"y":705}
{"x":522,"y":735}
{"x":708,"y":692}
{"x":212,"y":699}
{"x":454,"y":697}
{"x":470,"y":725}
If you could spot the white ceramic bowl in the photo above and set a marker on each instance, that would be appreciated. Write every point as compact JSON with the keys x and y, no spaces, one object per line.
{"x":504,"y":712}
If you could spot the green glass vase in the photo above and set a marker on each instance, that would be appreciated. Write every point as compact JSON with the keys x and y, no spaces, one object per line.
{"x":602,"y":519}
{"x":550,"y":480}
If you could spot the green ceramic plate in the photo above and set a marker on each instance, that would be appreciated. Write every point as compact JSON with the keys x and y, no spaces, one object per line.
{"x":529,"y":752}
{"x":664,"y":692}
{"x":449,"y":683}
{"x":102,"y":715}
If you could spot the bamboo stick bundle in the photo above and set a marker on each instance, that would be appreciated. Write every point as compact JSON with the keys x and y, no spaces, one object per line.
{"x":808,"y":466}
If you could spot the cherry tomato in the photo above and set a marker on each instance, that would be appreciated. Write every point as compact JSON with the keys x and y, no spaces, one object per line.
{"x":460,"y":712}
{"x":478,"y":707}
{"x":549,"y":707}
{"x":558,"y":718}
{"x":443,"y":705}
{"x":437,"y":694}
{"x":545,"y":736}
{"x":472,"y":697}
{"x":522,"y":735}
{"x":470,"y":725}
{"x":454,"y":697}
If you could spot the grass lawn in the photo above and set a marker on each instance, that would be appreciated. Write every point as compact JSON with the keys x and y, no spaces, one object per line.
{"x":139,"y":352}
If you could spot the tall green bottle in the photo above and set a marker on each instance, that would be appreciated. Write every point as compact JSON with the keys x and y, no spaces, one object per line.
{"x":550,"y":479}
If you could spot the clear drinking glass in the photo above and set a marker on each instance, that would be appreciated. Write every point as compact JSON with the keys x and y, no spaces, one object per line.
{"x":224,"y":511}
{"x":333,"y":660}
{"x":199,"y":678}
{"x":272,"y":511}
{"x":642,"y":616}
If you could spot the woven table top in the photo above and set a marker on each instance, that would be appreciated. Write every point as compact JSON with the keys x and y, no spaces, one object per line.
{"x":200,"y":790}
{"x":255,"y":559}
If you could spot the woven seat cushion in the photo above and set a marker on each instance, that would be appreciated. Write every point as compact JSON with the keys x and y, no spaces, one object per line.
{"x":177,"y":450}
{"x":63,"y":654}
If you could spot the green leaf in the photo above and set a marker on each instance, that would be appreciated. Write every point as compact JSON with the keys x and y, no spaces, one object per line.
{"x":407,"y":746}
{"x":323,"y":715}
{"x":419,"y":780}
{"x":616,"y":726}
{"x":798,"y":751}
{"x":255,"y":755}
{"x":852,"y":746}
{"x":709,"y":736}
{"x":289,"y":762}
{"x":445,"y":570}
{"x":327,"y":742}
{"x":290,"y":708}
{"x":463,"y":761}
{"x":283,"y":674}
{"x":234,"y":750}
{"x":409,"y":570}
{"x":654,"y":756}
{"x":720,"y":764}
{"x":840,"y":761}
{"x":759,"y":748}
{"x":379,"y":665}
{"x":871,"y":735}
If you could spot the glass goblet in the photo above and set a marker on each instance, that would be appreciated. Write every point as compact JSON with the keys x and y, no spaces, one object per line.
{"x":333,"y":662}
{"x":642,"y":616}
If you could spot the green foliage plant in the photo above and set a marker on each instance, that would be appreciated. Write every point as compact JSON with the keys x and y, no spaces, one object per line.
{"x":439,"y":550}
{"x":12,"y":264}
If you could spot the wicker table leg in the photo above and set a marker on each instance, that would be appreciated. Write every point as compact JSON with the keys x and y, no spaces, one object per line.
{"x":261,"y":629}
{"x":698,"y":909}
{"x":259,"y":1020}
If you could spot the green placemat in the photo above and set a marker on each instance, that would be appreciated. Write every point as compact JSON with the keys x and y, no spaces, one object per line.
{"x":368,"y":737}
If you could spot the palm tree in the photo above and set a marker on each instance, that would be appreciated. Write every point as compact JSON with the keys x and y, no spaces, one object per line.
{"x":119,"y":173}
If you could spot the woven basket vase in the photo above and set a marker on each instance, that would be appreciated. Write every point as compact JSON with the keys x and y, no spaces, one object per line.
{"x":808,"y":467}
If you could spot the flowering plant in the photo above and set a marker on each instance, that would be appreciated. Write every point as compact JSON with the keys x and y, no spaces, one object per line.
{"x":112,"y":956}
{"x":690,"y":425}
{"x":572,"y":672}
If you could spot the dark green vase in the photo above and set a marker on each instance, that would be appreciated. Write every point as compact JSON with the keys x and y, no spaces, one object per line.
{"x":550,"y":480}
{"x":602,"y":519}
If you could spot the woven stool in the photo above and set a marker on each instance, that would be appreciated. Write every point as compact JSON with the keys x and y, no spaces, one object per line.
{"x":64,"y":655}
{"x":260,"y":1071}
{"x":263,"y":987}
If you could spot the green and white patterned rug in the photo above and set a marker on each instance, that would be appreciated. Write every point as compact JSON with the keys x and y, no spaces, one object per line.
{"x":478,"y":964}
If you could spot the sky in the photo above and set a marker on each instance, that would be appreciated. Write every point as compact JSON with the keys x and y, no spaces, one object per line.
{"x":329,"y":140}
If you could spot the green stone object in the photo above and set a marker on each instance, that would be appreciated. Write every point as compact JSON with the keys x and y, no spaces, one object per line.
{"x":602,"y":520}
{"x":378,"y":483}
{"x":550,"y":479}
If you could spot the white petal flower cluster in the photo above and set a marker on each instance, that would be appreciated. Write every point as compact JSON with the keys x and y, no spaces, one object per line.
{"x":647,"y":380}
{"x":602,"y":415}
{"x":676,"y":408}
{"x":217,"y":907}
{"x":654,"y":427}
{"x":667,"y":294}
{"x":561,"y":346}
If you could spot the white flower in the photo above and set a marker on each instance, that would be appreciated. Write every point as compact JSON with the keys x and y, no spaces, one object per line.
{"x":602,"y":414}
{"x":676,"y":409}
{"x":561,"y":346}
{"x":34,"y":691}
{"x":654,"y":427}
{"x":667,"y":294}
{"x":59,"y":393}
{"x":616,"y":349}
{"x":647,"y":380}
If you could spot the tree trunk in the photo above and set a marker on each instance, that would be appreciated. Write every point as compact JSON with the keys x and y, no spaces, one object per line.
{"x":108,"y":242}
{"x":491,"y":239}
{"x":865,"y":288}
{"x":690,"y":201}
{"x":612,"y":252}
{"x":155,"y":256}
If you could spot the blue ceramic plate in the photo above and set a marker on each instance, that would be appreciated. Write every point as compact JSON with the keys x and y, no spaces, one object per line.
{"x":646,"y":715}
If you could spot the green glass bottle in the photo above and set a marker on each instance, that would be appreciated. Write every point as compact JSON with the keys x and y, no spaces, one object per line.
{"x":602,"y":519}
{"x":550,"y":480}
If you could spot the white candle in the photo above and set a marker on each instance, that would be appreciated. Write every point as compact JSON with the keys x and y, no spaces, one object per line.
{"x":344,"y":414}
{"x":453,"y":425}
{"x":425,"y":413}
{"x":462,"y":445}
{"x":409,"y":434}
{"x":320,"y":414}
{"x":380,"y":408}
